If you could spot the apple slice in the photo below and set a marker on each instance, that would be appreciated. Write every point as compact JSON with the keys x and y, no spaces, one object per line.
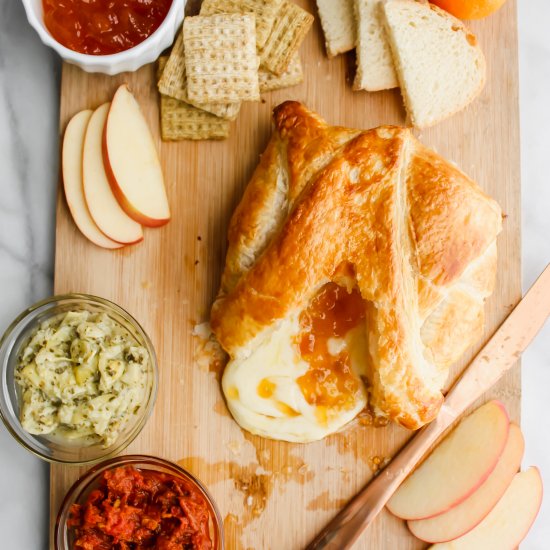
{"x":71,"y":163}
{"x":456,"y":467}
{"x":132,"y":163}
{"x":462,"y":518}
{"x":509,"y":521}
{"x":102,"y":204}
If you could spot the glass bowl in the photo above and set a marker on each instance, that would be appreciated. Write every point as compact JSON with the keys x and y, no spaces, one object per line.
{"x":63,"y":535}
{"x":56,"y":449}
{"x":127,"y":60}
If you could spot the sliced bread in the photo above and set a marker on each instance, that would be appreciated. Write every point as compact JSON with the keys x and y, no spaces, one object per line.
{"x":375,"y":68}
{"x":338,"y":25}
{"x":439,"y":64}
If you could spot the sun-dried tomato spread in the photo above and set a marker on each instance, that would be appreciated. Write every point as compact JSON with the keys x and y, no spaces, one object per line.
{"x":140,"y":509}
{"x":102,"y":27}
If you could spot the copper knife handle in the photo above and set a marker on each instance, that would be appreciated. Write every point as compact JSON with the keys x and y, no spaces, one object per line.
{"x":499,"y":354}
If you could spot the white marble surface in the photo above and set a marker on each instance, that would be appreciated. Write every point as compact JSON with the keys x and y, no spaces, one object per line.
{"x":29,"y":82}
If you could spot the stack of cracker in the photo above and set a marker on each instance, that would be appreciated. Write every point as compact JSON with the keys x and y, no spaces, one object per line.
{"x":232,"y":52}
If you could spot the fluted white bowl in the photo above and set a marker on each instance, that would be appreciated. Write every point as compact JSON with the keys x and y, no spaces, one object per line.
{"x":128,"y":60}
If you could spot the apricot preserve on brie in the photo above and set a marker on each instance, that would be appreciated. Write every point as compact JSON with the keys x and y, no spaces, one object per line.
{"x":103,"y":27}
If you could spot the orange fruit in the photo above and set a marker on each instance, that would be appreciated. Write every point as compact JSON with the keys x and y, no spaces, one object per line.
{"x":469,"y":9}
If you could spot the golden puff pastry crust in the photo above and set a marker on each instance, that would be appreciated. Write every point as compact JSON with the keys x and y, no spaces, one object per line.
{"x":413,"y":233}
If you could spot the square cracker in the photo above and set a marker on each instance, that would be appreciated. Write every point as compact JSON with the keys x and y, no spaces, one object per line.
{"x":292,"y":76}
{"x":265,"y":12}
{"x":179,"y":120}
{"x":173,"y":83}
{"x":290,"y":28}
{"x":220,"y":58}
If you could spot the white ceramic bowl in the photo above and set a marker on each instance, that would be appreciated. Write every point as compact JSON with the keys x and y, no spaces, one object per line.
{"x":128,"y":60}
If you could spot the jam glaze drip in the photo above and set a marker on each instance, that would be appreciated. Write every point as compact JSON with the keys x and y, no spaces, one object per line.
{"x":330,"y":381}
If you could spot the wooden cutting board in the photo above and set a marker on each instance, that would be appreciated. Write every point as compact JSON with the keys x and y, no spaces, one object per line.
{"x":275,"y":495}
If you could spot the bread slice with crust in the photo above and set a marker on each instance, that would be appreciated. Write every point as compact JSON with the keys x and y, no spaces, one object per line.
{"x":439,"y":65}
{"x":375,"y":68}
{"x":337,"y":20}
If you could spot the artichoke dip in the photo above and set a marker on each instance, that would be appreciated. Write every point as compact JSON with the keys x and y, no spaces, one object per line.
{"x":82,"y":375}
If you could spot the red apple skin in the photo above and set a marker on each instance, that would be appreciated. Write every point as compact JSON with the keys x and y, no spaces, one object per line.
{"x":487,"y":511}
{"x":72,"y":181}
{"x":513,"y":543}
{"x":128,"y":243}
{"x":132,"y":243}
{"x":541,"y":498}
{"x":452,"y":505}
{"x":117,"y":191}
{"x":483,"y":478}
{"x":479,"y":482}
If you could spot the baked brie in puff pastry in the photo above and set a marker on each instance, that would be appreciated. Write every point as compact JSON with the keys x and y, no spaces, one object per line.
{"x":356,"y":273}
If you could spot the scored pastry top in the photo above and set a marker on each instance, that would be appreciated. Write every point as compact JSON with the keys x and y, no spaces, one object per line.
{"x":369,"y":210}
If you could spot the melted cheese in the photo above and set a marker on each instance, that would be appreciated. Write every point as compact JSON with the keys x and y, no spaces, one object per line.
{"x":264,"y":396}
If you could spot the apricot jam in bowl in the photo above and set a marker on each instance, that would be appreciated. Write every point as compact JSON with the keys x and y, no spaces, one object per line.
{"x":107,"y":36}
{"x":138,"y":501}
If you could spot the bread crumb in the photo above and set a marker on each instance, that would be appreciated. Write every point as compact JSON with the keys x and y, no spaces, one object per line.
{"x":234,"y":447}
{"x":208,"y":354}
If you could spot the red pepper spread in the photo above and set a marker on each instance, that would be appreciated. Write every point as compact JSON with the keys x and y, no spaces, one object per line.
{"x":141,"y":509}
{"x":102,"y":27}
